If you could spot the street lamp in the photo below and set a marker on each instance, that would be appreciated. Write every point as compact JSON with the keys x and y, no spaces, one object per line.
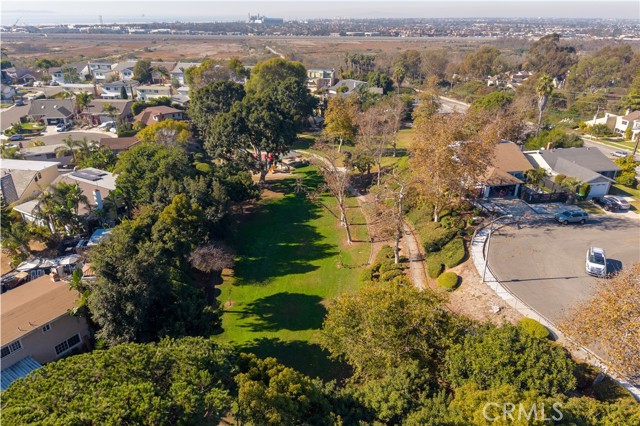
{"x":486,"y":256}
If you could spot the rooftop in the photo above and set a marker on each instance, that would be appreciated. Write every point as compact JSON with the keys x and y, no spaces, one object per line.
{"x":591,"y":158}
{"x":53,"y":108}
{"x":9,"y":166}
{"x":32,"y":305}
{"x":95,"y":177}
{"x":508,"y":157}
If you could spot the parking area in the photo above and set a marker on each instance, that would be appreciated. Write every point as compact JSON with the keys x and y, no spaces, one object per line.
{"x":543,"y":262}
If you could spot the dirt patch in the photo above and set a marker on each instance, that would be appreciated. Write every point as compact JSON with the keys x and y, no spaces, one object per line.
{"x":477,"y":301}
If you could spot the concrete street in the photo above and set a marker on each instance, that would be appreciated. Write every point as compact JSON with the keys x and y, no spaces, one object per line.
{"x":543,"y":263}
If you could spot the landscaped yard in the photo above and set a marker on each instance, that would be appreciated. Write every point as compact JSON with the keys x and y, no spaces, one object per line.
{"x":292,"y":258}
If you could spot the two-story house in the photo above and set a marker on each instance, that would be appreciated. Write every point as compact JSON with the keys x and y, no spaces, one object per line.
{"x":124,"y":70}
{"x":320,"y":78}
{"x":178,"y":71}
{"x":23,"y":179}
{"x":146,"y":92}
{"x":156,"y":114}
{"x":37,"y":327}
{"x":113,"y":90}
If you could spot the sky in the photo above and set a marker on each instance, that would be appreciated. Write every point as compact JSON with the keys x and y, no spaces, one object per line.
{"x":127,"y":11}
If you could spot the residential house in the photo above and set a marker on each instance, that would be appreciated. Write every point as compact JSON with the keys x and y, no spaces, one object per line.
{"x":52,"y":111}
{"x":320,"y":78}
{"x":609,"y":120}
{"x":95,"y":113}
{"x":351,"y":86}
{"x":23,"y":75}
{"x":47,"y":153}
{"x":178,"y":71}
{"x":146,"y":92}
{"x":37,"y":327}
{"x":182,"y":97}
{"x":99,"y":71}
{"x":60,"y":266}
{"x":70,"y":73}
{"x":7,"y":93}
{"x":118,"y":145}
{"x":156,"y":114}
{"x":630,"y":121}
{"x":507,"y":171}
{"x":124,"y":70}
{"x":95,"y":184}
{"x":113,"y":90}
{"x":159,"y":77}
{"x":23,"y":179}
{"x":588,"y":165}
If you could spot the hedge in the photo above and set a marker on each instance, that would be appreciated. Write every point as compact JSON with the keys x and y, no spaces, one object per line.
{"x":366,"y":275}
{"x":389,"y":275}
{"x":385,"y":267}
{"x":434,"y":267}
{"x":385,"y":253}
{"x":448,"y":281}
{"x":534,"y":328}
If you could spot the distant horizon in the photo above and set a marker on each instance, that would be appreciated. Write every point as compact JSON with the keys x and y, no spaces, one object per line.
{"x":146,"y":12}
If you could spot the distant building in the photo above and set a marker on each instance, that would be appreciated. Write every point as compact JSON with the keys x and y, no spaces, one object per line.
{"x":152,"y":115}
{"x":178,"y":71}
{"x":52,"y":111}
{"x":113,"y":90}
{"x":37,"y":325}
{"x":153,"y":91}
{"x":320,"y":78}
{"x":257,"y":19}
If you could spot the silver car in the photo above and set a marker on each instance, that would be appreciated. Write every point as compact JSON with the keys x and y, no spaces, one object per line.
{"x":596,"y":262}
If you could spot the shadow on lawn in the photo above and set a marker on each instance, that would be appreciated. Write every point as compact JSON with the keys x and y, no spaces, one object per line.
{"x":290,"y":311}
{"x":279,"y":241}
{"x":307,"y":358}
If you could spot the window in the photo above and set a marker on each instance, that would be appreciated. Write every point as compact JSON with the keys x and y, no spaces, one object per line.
{"x":46,"y":328}
{"x":67,"y":344}
{"x":11,"y":348}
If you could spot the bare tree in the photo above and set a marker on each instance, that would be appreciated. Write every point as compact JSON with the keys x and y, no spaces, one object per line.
{"x":375,"y":133}
{"x":212,"y":259}
{"x":395,"y":110}
{"x":337,"y":183}
{"x":390,"y":207}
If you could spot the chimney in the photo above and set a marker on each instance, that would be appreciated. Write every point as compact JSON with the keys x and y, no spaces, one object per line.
{"x":98,"y":197}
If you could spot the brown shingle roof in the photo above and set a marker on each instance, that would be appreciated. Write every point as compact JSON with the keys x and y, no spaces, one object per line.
{"x":34,"y":304}
{"x":119,"y":144}
{"x":508,"y":157}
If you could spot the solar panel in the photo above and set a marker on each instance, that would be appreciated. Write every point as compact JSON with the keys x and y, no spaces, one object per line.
{"x":86,"y":175}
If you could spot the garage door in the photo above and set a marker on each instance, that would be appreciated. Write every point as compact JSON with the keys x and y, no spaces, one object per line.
{"x":599,"y":189}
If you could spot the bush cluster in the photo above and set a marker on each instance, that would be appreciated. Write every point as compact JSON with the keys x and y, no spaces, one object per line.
{"x":448,"y":281}
{"x":384,"y":267}
{"x":534,"y":328}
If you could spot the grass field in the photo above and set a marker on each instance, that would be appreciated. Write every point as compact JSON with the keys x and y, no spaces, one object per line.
{"x":292,"y":258}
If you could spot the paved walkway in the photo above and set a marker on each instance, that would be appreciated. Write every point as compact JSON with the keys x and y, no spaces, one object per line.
{"x":478,"y":251}
{"x":416,"y":257}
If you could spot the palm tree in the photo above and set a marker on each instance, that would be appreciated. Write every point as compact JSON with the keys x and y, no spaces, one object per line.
{"x":110,"y":110}
{"x":543,"y":89}
{"x":571,"y":184}
{"x":83,"y":99}
{"x":59,"y":206}
{"x":536,"y":177}
{"x":69,"y":148}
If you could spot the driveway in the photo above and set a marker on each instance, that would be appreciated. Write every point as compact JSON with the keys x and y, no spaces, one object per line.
{"x":543,"y":263}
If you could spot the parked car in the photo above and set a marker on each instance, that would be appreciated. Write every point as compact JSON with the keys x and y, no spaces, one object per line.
{"x":107,"y":125}
{"x":16,"y":137}
{"x":619,"y":202}
{"x":19,"y":102}
{"x":596,"y":262}
{"x":620,"y":154}
{"x":62,"y":127}
{"x":54,"y":83}
{"x":606,"y":203}
{"x":572,"y":216}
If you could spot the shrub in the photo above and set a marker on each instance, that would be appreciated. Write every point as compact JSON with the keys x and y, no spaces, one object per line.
{"x":386,"y":267}
{"x":534,"y":328}
{"x":559,"y":179}
{"x":434,"y":267}
{"x":626,"y":179}
{"x":584,"y":190}
{"x":366,"y":275}
{"x":448,"y":281}
{"x":385,"y":253}
{"x":453,"y":253}
{"x":390,"y":275}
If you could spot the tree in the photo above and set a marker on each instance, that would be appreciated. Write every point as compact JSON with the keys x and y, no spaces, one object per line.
{"x":449,"y":153}
{"x":493,"y":102}
{"x":270,"y":394}
{"x":627,"y":175}
{"x":340,"y":119}
{"x":609,"y":319}
{"x":123,"y":93}
{"x":159,"y":72}
{"x":212,"y":258}
{"x":175,"y":382}
{"x":210,"y":100}
{"x":492,"y":356}
{"x":142,"y":71}
{"x":110,"y":110}
{"x":83,"y":99}
{"x":395,"y":111}
{"x":483,"y":62}
{"x":571,"y":184}
{"x":5,"y":63}
{"x":387,"y":325}
{"x":337,"y":183}
{"x":547,"y":56}
{"x":43,"y":64}
{"x":210,"y":71}
{"x":266,"y":75}
{"x":167,"y":132}
{"x":375,"y":132}
{"x":99,"y":157}
{"x":544,"y":90}
{"x":428,"y":105}
{"x":536,"y":177}
{"x":390,"y":202}
{"x":59,"y":206}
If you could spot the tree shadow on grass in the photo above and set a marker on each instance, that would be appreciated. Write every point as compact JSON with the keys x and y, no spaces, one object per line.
{"x":307,"y":358}
{"x":279,"y":241}
{"x":290,"y":311}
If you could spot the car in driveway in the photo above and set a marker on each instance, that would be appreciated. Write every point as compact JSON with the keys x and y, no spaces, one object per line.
{"x":62,"y":127}
{"x":620,"y":154}
{"x":572,"y":216}
{"x":596,"y":263}
{"x":619,"y":202}
{"x":16,"y":137}
{"x":606,"y":203}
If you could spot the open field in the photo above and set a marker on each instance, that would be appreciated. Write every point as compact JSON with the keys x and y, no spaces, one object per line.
{"x":292,"y":258}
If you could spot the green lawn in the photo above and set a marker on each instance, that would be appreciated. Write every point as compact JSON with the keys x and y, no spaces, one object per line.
{"x":32,"y":126}
{"x":292,"y":258}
